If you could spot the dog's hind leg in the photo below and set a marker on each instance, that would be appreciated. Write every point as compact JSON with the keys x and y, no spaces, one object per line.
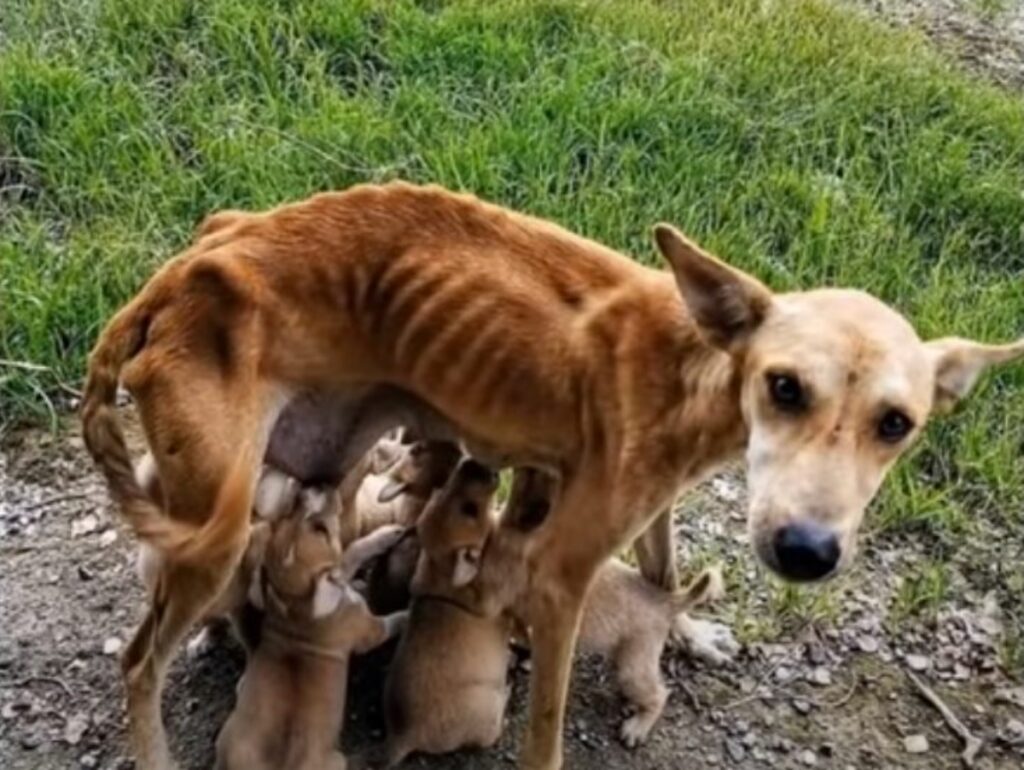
{"x":638,"y":665}
{"x":655,"y":552}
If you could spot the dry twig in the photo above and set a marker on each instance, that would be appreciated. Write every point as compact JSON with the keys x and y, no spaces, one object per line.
{"x":972,"y":744}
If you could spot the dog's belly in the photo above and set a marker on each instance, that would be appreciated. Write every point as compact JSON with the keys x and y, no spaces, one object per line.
{"x":321,"y":434}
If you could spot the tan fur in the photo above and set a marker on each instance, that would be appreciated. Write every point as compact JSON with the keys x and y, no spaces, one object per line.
{"x":357,"y":311}
{"x":446,"y":687}
{"x":291,"y":701}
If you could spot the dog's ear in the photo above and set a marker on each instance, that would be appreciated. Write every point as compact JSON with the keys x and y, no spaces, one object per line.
{"x":385,"y":454}
{"x":467,"y":565}
{"x":275,"y":495}
{"x":392,"y":488}
{"x":726,"y":303}
{"x":959,"y":363}
{"x":329,"y":593}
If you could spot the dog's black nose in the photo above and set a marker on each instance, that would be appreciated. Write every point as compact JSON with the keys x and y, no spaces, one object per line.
{"x":806,"y":552}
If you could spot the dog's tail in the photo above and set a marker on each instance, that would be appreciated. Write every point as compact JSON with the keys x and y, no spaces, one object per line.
{"x":177,"y":540}
{"x":706,"y":587}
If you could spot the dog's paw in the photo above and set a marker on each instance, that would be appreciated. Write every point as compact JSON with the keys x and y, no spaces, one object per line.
{"x":635,"y":730}
{"x":706,"y":640}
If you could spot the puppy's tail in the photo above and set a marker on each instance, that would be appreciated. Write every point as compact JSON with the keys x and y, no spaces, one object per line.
{"x":123,"y":338}
{"x":706,"y":587}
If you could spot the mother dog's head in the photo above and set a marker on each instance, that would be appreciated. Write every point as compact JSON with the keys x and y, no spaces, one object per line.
{"x":835,"y":387}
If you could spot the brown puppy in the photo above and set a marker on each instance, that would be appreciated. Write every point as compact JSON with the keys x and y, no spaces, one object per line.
{"x":446,"y":688}
{"x":291,"y":700}
{"x":299,"y":336}
{"x":425,"y":468}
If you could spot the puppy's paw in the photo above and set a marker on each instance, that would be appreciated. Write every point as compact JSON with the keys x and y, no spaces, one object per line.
{"x":706,"y":640}
{"x":388,"y":535}
{"x":635,"y":730}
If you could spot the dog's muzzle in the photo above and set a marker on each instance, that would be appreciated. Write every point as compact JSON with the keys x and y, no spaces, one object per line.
{"x":805,"y":551}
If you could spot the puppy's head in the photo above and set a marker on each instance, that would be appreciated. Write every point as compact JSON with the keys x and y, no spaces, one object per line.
{"x":456,"y":523}
{"x":835,"y":386}
{"x":420,"y":469}
{"x":300,"y":575}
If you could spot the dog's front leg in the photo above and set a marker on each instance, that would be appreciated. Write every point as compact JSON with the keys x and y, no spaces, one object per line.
{"x":554,"y":617}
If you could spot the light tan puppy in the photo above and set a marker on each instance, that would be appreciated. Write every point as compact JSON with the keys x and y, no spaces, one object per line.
{"x":291,"y":700}
{"x":398,"y":495}
{"x":299,"y":336}
{"x":447,"y":686}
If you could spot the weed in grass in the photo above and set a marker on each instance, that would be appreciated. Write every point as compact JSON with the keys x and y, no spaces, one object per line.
{"x":921,"y":592}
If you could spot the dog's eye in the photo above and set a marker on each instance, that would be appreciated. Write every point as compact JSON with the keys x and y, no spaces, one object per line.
{"x":894,"y":426}
{"x":469,"y":508}
{"x":786,"y":391}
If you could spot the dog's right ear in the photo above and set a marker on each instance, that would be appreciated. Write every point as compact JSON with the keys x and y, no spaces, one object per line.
{"x":726,"y":303}
{"x":467,"y":566}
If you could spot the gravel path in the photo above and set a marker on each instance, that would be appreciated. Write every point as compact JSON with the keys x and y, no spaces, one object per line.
{"x":986,"y":35}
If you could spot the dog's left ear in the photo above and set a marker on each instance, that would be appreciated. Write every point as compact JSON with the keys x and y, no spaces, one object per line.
{"x":959,"y":363}
{"x":726,"y":303}
{"x":467,"y":565}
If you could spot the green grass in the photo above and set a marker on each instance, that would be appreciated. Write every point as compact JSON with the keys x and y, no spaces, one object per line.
{"x":801,"y":142}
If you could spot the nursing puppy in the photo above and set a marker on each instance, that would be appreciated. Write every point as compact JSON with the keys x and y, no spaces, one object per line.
{"x":291,"y":700}
{"x":447,"y":686}
{"x":399,"y":495}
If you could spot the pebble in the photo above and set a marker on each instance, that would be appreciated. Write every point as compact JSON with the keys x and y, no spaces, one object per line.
{"x":85,"y":525}
{"x":75,"y":728}
{"x":918,"y":662}
{"x":108,"y":537}
{"x":915,"y":744}
{"x":89,"y":760}
{"x":807,"y":757}
{"x":735,"y":750}
{"x":802,"y":707}
{"x":112,"y":646}
{"x":821,"y":676}
{"x":868,"y":644}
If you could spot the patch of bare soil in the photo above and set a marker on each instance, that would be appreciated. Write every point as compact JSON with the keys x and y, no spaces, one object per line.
{"x":828,"y":693}
{"x":986,"y":35}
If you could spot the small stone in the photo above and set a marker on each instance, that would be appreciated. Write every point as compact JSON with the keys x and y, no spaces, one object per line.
{"x":747,"y":685}
{"x":89,"y":760}
{"x":83,"y":573}
{"x":85,"y":525}
{"x":801,"y":706}
{"x":868,"y":644}
{"x":75,"y":728}
{"x":112,"y":646}
{"x":807,"y":757}
{"x":918,"y":662}
{"x":821,"y":676}
{"x":108,"y":537}
{"x":915,"y":744}
{"x":735,"y":750}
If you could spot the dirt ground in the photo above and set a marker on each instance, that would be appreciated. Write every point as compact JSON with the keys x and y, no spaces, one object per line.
{"x":825,"y":692}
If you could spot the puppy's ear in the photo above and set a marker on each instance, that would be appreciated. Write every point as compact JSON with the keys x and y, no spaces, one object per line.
{"x":392,"y":488}
{"x":726,"y":303}
{"x":275,"y":494}
{"x":328,"y":595}
{"x":959,"y":363}
{"x":467,"y":565}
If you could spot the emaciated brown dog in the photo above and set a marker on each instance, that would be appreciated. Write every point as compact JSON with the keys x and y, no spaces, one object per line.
{"x":302,"y":334}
